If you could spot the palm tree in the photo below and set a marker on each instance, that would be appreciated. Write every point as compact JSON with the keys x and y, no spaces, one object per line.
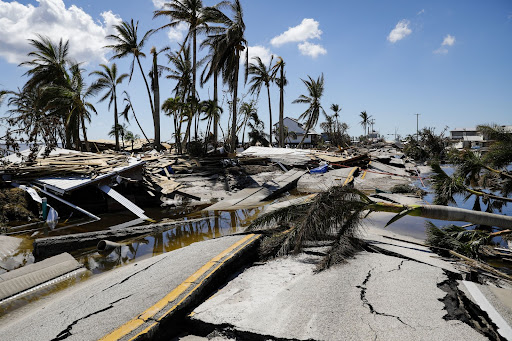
{"x":118,"y":129}
{"x":261,"y":75}
{"x":130,"y":137}
{"x":281,"y":82}
{"x":172,"y":107}
{"x":49,"y":63}
{"x":194,"y":14}
{"x":71,"y":100}
{"x":126,"y":43}
{"x":336,"y":108}
{"x":365,"y":120}
{"x":229,"y":44}
{"x":248,"y":111}
{"x":311,"y":115}
{"x":109,"y":80}
{"x":211,"y":112}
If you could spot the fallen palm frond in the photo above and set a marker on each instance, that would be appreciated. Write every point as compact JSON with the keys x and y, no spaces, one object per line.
{"x":457,"y":238}
{"x":332,"y":215}
{"x":336,"y":215}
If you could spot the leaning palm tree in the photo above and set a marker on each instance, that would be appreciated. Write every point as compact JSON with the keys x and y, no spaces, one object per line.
{"x":126,"y":43}
{"x":311,"y":115}
{"x":229,"y":45}
{"x":211,"y":112}
{"x":261,"y":75}
{"x":108,"y":80}
{"x":127,"y":108}
{"x":339,"y":212}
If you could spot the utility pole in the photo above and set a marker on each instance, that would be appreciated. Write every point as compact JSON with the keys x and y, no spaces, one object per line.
{"x":417,"y":128}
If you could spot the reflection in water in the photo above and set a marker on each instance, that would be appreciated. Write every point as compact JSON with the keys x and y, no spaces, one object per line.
{"x":213,"y":224}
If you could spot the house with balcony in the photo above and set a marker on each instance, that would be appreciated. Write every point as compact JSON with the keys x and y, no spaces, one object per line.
{"x":471,"y":138}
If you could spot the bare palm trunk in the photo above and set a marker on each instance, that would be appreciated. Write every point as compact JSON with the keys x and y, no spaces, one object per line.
{"x":281,"y":109}
{"x":136,"y":120}
{"x":84,"y":132}
{"x":446,"y":213}
{"x":269,"y":113}
{"x":215,"y":119}
{"x":235,"y":95}
{"x":116,"y":123}
{"x":306,"y":134}
{"x":194,"y":62}
{"x":156,"y":112}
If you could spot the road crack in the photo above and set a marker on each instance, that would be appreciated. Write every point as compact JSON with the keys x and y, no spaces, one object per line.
{"x":399,"y":266}
{"x":134,"y":274}
{"x":369,"y":305}
{"x":67,"y":331}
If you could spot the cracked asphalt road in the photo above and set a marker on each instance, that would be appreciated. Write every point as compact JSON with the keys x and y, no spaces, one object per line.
{"x":373,"y":296}
{"x":95,"y":307}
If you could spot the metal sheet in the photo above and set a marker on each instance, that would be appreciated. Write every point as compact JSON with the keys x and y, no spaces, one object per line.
{"x":124,"y":201}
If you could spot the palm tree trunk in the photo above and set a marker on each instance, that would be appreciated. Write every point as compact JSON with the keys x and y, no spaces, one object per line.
{"x":116,"y":123}
{"x":235,"y":95}
{"x":306,"y":134}
{"x":194,"y":62}
{"x":84,"y":132}
{"x":136,"y":120}
{"x":281,"y":109}
{"x":269,"y":113}
{"x":156,"y":94}
{"x":147,"y":86}
{"x":215,"y":119}
{"x":446,"y":213}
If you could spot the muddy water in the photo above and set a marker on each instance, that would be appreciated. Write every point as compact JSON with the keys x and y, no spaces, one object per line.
{"x":213,"y":224}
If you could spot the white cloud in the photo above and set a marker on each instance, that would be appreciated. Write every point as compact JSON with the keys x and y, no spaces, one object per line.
{"x":448,"y":40}
{"x":51,"y":18}
{"x":441,"y":50}
{"x":159,"y":3}
{"x":400,"y":31}
{"x":420,"y":12}
{"x":178,"y":32}
{"x":312,"y":50}
{"x":307,"y":29}
{"x":259,"y":51}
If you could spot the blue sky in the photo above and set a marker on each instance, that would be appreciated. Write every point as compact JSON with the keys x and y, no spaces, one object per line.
{"x":449,"y":61}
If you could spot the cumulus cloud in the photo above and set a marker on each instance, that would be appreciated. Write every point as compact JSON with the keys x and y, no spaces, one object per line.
{"x":51,"y":18}
{"x":312,"y":50}
{"x":448,"y":40}
{"x":400,"y":31}
{"x":178,"y":33}
{"x":259,"y":51}
{"x":159,"y":3}
{"x":307,"y":29}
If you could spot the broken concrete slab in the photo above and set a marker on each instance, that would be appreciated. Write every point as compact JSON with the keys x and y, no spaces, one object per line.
{"x":16,"y":281}
{"x":372,"y":296}
{"x":250,"y":197}
{"x":316,"y":183}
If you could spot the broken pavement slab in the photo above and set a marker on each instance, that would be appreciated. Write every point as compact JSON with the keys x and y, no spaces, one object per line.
{"x":253,"y":196}
{"x":371,"y":296}
{"x":316,"y":183}
{"x":133,"y":299}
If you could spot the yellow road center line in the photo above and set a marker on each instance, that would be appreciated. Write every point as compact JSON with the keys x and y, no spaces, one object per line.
{"x":366,"y":171}
{"x":350,"y":176}
{"x":135,"y":323}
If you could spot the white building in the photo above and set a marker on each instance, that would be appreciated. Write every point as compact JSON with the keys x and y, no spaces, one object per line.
{"x":471,"y":138}
{"x":296,"y":131}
